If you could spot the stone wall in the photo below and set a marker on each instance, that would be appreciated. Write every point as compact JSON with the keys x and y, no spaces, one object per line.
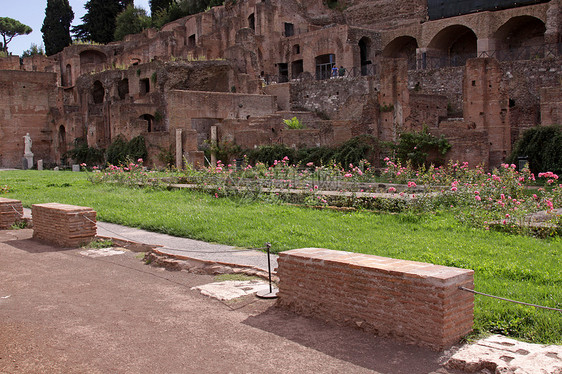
{"x":412,"y":301}
{"x":331,"y":98}
{"x":27,"y":101}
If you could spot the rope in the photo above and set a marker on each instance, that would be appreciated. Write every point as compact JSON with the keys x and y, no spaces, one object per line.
{"x":187,"y":250}
{"x":511,"y":301}
{"x":21,"y":215}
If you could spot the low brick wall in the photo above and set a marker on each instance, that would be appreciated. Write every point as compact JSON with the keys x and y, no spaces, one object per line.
{"x":412,"y":301}
{"x":11,"y":211}
{"x":63,"y":225}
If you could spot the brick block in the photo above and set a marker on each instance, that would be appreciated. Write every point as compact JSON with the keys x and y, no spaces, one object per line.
{"x":63,"y":225}
{"x":11,"y":212}
{"x":413,"y":301}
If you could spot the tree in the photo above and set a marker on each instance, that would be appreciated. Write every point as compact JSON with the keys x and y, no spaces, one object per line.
{"x":159,"y":5}
{"x":541,"y":146}
{"x":56,"y":26}
{"x":99,"y":20}
{"x":10,"y":28}
{"x":131,"y":21}
{"x":33,"y":50}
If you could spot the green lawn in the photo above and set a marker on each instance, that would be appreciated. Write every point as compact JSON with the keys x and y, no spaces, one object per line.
{"x":511,"y":266}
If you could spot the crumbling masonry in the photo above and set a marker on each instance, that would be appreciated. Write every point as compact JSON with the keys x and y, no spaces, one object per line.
{"x":478,"y":78}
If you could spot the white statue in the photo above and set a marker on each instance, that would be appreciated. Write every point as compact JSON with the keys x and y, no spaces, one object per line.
{"x":28,"y":142}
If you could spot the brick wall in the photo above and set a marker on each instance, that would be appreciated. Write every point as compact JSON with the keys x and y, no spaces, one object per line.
{"x":63,"y":225}
{"x":412,"y":301}
{"x":11,"y":211}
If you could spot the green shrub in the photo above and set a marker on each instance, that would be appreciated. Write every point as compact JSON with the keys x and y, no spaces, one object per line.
{"x":294,"y":124}
{"x":81,"y":153}
{"x":268,"y":154}
{"x":543,"y":147}
{"x":416,"y":147}
{"x":120,"y":150}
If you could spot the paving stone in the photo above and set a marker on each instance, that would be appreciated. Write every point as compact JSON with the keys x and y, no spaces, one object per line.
{"x":230,"y":290}
{"x":498,"y":354}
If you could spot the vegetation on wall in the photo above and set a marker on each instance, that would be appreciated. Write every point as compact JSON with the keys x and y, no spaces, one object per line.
{"x":416,"y":147}
{"x":33,"y":50}
{"x":294,"y":123}
{"x":542,"y":146}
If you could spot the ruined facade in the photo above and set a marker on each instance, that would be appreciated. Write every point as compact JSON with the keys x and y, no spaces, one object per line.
{"x":238,"y":70}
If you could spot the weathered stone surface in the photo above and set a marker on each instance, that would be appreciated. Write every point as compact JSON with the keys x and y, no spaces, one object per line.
{"x":500,"y":355}
{"x":411,"y":301}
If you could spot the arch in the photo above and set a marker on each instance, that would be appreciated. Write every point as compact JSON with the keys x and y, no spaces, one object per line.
{"x":98,"y":92}
{"x":402,"y":47}
{"x":296,"y":49}
{"x":91,"y":59}
{"x":365,"y":54}
{"x":520,"y":32}
{"x":252,"y":21}
{"x":452,"y":46}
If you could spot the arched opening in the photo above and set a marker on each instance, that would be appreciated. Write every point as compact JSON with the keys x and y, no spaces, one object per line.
{"x":62,"y":143}
{"x":452,"y":46}
{"x":98,"y":92}
{"x":297,"y":49}
{"x":68,"y":76}
{"x":365,"y":55}
{"x":123,"y":88}
{"x":92,"y":60}
{"x":520,"y":38}
{"x":324,"y":66}
{"x":402,"y":47}
{"x":252,"y":21}
{"x":150,"y":122}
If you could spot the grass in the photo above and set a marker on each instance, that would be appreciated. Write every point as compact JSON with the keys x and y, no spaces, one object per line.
{"x":515,"y":267}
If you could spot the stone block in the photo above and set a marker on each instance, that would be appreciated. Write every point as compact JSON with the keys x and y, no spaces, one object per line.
{"x":11,"y":212}
{"x":63,"y":225}
{"x":411,"y":301}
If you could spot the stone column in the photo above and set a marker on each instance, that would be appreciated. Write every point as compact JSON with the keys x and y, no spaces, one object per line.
{"x":213,"y":146}
{"x":179,"y":149}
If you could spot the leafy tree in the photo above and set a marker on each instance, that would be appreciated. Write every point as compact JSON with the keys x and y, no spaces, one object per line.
{"x":159,"y":5}
{"x":56,"y":26}
{"x":34,"y":50}
{"x":99,"y":21}
{"x":10,"y":28}
{"x":131,"y":21}
{"x":182,"y":8}
{"x":542,"y":146}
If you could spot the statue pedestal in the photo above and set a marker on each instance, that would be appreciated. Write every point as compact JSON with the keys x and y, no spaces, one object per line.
{"x":29,"y":158}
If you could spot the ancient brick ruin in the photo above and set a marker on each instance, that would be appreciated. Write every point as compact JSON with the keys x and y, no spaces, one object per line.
{"x":478,"y":78}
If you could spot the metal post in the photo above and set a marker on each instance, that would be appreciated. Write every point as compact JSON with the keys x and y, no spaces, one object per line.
{"x":272,"y":294}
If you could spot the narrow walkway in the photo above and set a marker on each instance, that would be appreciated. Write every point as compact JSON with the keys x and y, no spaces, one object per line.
{"x":176,"y":246}
{"x":173,"y":245}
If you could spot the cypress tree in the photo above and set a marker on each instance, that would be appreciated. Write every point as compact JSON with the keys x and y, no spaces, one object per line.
{"x":56,"y":26}
{"x":99,"y":21}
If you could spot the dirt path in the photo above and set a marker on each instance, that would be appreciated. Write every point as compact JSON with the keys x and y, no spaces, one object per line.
{"x":62,"y":312}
